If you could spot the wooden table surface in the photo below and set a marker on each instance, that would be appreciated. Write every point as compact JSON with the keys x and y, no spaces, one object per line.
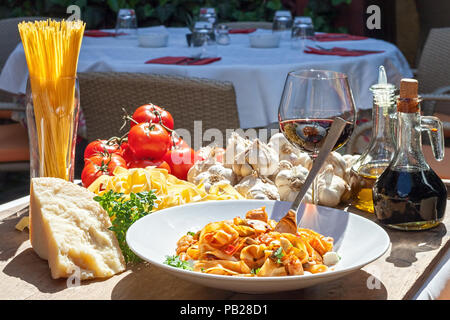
{"x":398,"y":274}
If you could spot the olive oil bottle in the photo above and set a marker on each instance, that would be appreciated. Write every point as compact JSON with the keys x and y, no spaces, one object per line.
{"x":376,"y":158}
{"x":409,"y":195}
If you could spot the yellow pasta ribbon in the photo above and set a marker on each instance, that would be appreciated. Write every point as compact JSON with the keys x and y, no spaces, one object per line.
{"x":169,"y":190}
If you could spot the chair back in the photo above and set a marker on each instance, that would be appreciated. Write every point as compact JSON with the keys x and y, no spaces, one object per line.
{"x":10,"y":37}
{"x":103,"y":95}
{"x":432,"y":14}
{"x":433,"y":71}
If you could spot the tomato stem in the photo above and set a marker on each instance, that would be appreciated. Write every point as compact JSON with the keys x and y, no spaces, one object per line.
{"x":158,"y":114}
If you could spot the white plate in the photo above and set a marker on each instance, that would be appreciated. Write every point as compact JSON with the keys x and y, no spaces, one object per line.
{"x":358,"y":241}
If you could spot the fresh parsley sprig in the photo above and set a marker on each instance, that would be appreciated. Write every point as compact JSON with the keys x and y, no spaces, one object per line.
{"x":279,"y":254}
{"x":255,"y":271}
{"x":174,"y":261}
{"x":124,"y":211}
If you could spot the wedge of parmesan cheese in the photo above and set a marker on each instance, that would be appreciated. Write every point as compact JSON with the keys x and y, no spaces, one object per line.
{"x":70,"y":230}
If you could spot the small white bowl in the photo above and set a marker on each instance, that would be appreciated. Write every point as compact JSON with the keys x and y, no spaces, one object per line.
{"x":153,"y":39}
{"x":265,"y":40}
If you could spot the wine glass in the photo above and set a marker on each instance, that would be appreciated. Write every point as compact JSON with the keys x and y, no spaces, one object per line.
{"x":126,"y":24}
{"x":310,"y":101}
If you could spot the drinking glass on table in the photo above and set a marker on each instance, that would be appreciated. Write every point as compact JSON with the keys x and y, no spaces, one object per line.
{"x":311,"y":100}
{"x":126,"y":24}
{"x":203,"y":42}
{"x":282,"y":23}
{"x":305,"y":20}
{"x":302,"y":33}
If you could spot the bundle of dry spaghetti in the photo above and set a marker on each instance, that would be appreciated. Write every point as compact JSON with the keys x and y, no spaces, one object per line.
{"x":52,"y":49}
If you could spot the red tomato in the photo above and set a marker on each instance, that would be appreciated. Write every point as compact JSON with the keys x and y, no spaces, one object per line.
{"x":148,"y":140}
{"x":143,"y":163}
{"x":177,"y":143}
{"x":230,"y":249}
{"x":101,"y":146}
{"x":90,"y":173}
{"x":107,"y":162}
{"x":127,"y":153}
{"x":153,"y":114}
{"x":180,"y":161}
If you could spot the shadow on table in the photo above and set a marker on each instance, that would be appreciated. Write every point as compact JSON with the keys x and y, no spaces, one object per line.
{"x":10,"y":238}
{"x":28,"y":267}
{"x":406,"y":244}
{"x":148,"y":282}
{"x":355,"y":286}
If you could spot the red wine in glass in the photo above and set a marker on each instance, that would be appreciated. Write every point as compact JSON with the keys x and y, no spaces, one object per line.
{"x":309,"y":134}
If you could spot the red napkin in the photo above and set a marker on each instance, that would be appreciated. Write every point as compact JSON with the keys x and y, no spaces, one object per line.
{"x":100,"y":34}
{"x":337,"y":37}
{"x":183,"y":61}
{"x":242,"y":30}
{"x":337,"y":51}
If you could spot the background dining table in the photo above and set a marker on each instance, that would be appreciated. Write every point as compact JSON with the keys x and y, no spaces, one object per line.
{"x":258,"y":74}
{"x":415,"y":266}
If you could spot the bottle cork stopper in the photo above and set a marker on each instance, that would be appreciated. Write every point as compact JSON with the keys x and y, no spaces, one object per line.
{"x":409,"y":88}
{"x":409,"y":92}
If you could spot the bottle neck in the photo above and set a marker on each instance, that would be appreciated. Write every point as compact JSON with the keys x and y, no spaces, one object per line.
{"x":409,"y":156}
{"x":383,"y":113}
{"x":382,"y":124}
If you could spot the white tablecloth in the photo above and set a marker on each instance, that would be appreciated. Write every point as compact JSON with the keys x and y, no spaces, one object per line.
{"x":258,"y":75}
{"x":436,"y":282}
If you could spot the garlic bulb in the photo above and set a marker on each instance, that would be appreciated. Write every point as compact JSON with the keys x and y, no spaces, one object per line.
{"x":258,"y":157}
{"x":289,"y":181}
{"x":282,"y":165}
{"x":337,"y":161}
{"x":286,"y":151}
{"x":350,"y":160}
{"x":210,"y":152}
{"x":235,"y":145}
{"x":199,"y":167}
{"x":215,"y":173}
{"x":331,"y":188}
{"x":255,"y":187}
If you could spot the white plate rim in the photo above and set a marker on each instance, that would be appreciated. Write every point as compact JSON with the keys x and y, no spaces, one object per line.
{"x":327,"y":274}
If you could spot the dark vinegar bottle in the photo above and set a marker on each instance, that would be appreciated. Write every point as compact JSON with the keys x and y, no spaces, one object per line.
{"x":409,"y":195}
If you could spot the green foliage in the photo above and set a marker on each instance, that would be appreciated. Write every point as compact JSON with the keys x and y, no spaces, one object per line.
{"x":324,"y":13}
{"x":102,"y":13}
{"x":174,"y":13}
{"x":124,"y":212}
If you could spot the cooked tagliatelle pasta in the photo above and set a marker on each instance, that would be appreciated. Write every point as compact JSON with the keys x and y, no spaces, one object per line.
{"x":169,"y":190}
{"x":250,"y":247}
